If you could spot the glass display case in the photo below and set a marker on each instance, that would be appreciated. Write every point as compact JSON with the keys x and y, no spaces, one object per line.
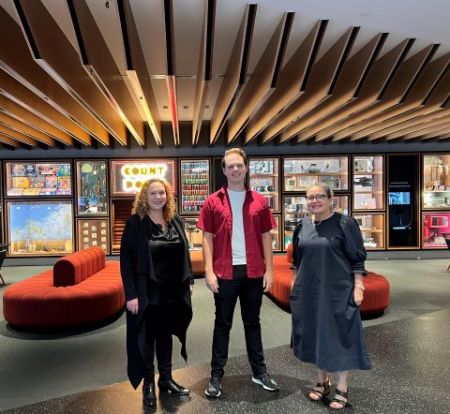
{"x":295,"y":208}
{"x":436,"y":181}
{"x":39,"y":228}
{"x":193,"y":234}
{"x":435,"y":230}
{"x":299,"y":173}
{"x":38,"y":179}
{"x":372,"y":230}
{"x":127,"y":176}
{"x":92,"y":193}
{"x":368,"y":182}
{"x":93,"y":232}
{"x":264,"y":178}
{"x":194,"y":184}
{"x":276,"y":234}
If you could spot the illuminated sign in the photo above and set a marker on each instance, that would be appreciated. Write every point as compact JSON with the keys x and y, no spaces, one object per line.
{"x":129,"y":176}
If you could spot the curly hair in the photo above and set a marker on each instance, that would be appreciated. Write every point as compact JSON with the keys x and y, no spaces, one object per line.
{"x":141,"y":206}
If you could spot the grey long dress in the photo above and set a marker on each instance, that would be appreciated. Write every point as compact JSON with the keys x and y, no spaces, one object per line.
{"x":326,"y":324}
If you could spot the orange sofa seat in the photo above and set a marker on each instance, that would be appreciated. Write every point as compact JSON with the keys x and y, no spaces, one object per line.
{"x":81,"y":288}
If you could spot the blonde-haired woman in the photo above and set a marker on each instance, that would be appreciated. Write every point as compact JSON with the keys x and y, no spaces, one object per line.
{"x":329,"y":259}
{"x":157,"y":279}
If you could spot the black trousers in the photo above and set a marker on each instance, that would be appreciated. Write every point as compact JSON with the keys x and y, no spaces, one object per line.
{"x":250,"y":293}
{"x":159,"y":338}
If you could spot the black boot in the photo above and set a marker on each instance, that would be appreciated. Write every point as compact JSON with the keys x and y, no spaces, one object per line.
{"x":148,"y":393}
{"x":170,"y":386}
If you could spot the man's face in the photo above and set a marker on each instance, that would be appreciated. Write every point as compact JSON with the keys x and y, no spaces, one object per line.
{"x":235,"y":169}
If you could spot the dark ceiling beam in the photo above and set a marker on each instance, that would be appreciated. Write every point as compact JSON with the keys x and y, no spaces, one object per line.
{"x":392,"y":93}
{"x":235,"y":74}
{"x":137,"y":72}
{"x":171,"y":81}
{"x":102,"y":68}
{"x":204,"y":70}
{"x":56,"y":55}
{"x":290,"y":81}
{"x":366,"y":94}
{"x":353,"y":71}
{"x":18,"y":64}
{"x":323,"y":74}
{"x":23,"y":115}
{"x":262,"y":81}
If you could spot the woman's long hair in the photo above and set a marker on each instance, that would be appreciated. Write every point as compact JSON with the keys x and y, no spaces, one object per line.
{"x":141,"y":206}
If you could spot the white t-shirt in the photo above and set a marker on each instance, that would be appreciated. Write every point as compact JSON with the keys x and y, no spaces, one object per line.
{"x":237,"y":235}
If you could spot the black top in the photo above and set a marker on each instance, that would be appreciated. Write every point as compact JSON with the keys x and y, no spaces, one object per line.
{"x":166,"y":250}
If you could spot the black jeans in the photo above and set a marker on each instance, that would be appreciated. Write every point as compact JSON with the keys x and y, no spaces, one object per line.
{"x":250,"y":293}
{"x":159,"y":338}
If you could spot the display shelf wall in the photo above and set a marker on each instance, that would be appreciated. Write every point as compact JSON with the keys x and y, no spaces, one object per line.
{"x":194,"y":185}
{"x":436,"y":181}
{"x":92,"y":188}
{"x":93,"y":232}
{"x":368,"y":183}
{"x":264,"y":177}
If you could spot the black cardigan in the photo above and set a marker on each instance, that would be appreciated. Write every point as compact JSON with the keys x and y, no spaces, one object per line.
{"x":136,"y":270}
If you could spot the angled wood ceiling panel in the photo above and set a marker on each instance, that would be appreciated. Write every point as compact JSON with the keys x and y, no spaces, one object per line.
{"x":63,"y":81}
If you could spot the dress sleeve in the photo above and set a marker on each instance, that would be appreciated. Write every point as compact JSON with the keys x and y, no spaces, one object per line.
{"x":127,"y":255}
{"x":295,"y":248}
{"x":354,"y":245}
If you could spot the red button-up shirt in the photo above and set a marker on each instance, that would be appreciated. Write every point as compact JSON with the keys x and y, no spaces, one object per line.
{"x":216,"y":218}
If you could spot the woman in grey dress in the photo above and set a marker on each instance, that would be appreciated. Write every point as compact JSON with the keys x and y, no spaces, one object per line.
{"x":328,"y":288}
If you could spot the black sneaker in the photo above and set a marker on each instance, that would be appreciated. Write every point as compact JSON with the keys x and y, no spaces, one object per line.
{"x":214,"y":389}
{"x":266,"y":382}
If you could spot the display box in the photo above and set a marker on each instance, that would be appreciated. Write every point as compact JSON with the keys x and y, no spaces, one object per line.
{"x":264,"y":178}
{"x":92,"y":192}
{"x":38,"y":179}
{"x":194,"y":182}
{"x":368,"y":182}
{"x":39,"y":228}
{"x":436,"y":181}
{"x":193,"y":234}
{"x":93,"y":232}
{"x":372,"y":230}
{"x":127,"y":176}
{"x":435,"y":230}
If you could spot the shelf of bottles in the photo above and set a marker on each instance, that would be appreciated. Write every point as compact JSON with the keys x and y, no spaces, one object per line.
{"x":295,"y":209}
{"x":372,"y":229}
{"x":263,"y":174}
{"x":368,"y":182}
{"x":299,"y":173}
{"x":436,"y":181}
{"x":92,"y":192}
{"x":194,"y":184}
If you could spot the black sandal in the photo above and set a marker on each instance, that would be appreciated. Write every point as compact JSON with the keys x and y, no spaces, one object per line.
{"x":339,"y":397}
{"x":322,"y":389}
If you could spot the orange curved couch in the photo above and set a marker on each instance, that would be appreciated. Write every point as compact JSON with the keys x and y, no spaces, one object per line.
{"x":81,"y":288}
{"x":376,"y":294}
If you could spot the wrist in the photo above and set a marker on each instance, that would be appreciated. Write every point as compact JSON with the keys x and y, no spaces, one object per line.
{"x":360,"y":286}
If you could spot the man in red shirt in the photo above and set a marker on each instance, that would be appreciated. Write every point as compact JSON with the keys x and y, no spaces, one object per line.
{"x":237,"y":250}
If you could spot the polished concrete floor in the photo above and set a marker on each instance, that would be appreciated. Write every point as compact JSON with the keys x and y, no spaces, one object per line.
{"x":84,"y":371}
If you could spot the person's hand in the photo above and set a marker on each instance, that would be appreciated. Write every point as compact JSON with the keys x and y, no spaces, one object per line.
{"x":191,"y":288}
{"x":358,"y":294}
{"x":133,"y":306}
{"x":267,"y":280}
{"x":211,"y":282}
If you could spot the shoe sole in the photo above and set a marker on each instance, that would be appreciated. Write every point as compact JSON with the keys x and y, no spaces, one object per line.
{"x":259,"y":382}
{"x":213,"y":396}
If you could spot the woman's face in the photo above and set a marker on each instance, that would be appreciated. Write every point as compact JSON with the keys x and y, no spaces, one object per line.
{"x":156,"y":196}
{"x":318,"y":202}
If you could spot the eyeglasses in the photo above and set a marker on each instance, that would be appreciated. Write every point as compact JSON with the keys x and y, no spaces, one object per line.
{"x":317,"y":197}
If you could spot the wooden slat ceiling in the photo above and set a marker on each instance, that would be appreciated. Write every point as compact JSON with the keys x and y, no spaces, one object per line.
{"x":94,"y":73}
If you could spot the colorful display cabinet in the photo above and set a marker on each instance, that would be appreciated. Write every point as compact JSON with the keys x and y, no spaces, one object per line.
{"x":39,"y":228}
{"x":372,"y":230}
{"x":436,"y":181}
{"x":299,"y":173}
{"x":264,"y":178}
{"x":368,"y":182}
{"x":194,"y":185}
{"x":435,"y":230}
{"x":92,"y":191}
{"x":193,"y":234}
{"x":38,"y":179}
